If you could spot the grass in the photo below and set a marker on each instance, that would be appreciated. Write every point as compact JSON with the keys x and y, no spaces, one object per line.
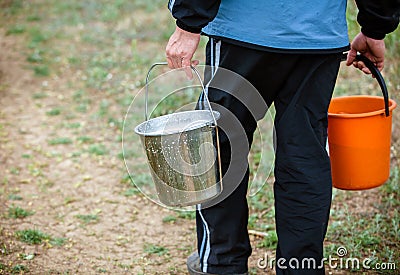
{"x":54,"y":112}
{"x":60,"y":140}
{"x":89,"y":218}
{"x":367,"y":234}
{"x":32,"y":236}
{"x":17,"y":29}
{"x":17,"y":212}
{"x":85,"y":139}
{"x":58,"y":241}
{"x":131,"y":192}
{"x":14,"y":197}
{"x":155,"y":249}
{"x":41,"y":70}
{"x":19,"y":269}
{"x":98,"y":149}
{"x":169,"y":219}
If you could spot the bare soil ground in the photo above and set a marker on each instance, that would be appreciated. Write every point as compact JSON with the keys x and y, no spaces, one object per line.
{"x":60,"y":188}
{"x":129,"y":237}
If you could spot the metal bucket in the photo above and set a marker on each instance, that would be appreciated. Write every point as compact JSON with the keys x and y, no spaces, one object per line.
{"x":182,"y":150}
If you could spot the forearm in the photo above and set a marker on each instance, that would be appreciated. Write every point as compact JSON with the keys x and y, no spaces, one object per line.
{"x":378,"y":17}
{"x":193,"y":15}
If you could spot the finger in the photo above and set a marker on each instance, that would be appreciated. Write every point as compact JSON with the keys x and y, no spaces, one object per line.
{"x":359,"y":65}
{"x":366,"y":70}
{"x":170,"y":63}
{"x":380,"y":65}
{"x":195,"y":62}
{"x":351,"y":57}
{"x":186,"y":65}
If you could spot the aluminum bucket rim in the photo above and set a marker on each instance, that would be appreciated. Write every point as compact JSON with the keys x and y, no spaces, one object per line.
{"x":141,"y":128}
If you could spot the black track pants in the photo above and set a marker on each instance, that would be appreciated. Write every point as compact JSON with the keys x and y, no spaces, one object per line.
{"x":300,"y":86}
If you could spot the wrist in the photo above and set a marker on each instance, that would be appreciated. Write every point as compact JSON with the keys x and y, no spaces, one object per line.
{"x":182,"y":26}
{"x":372,"y":34}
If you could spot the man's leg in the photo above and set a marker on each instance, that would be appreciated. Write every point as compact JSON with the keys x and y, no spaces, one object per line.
{"x":223,"y":241}
{"x":302,"y":168}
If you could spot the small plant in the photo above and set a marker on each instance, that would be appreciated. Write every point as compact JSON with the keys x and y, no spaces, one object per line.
{"x":58,"y":241}
{"x":17,"y":29}
{"x":35,"y":57}
{"x":32,"y":236}
{"x":169,"y":219}
{"x":188,"y":215}
{"x":131,"y":192}
{"x":41,"y":70}
{"x":17,"y":212}
{"x":60,"y":140}
{"x":39,"y":95}
{"x":82,"y":108}
{"x":155,"y":249}
{"x":270,"y":240}
{"x":97,"y":149}
{"x":37,"y":36}
{"x":85,"y":139}
{"x":33,"y":17}
{"x":14,"y":171}
{"x":53,"y":112}
{"x":14,"y":197}
{"x":88,"y":218}
{"x":19,"y":269}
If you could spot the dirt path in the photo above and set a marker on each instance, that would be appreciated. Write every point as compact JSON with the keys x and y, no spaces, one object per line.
{"x":59,"y":187}
{"x":129,"y":234}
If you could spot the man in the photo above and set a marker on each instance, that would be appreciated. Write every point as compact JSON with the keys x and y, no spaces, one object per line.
{"x":290,"y":52}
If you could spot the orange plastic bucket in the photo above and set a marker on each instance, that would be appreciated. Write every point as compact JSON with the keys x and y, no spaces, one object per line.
{"x":359,"y":135}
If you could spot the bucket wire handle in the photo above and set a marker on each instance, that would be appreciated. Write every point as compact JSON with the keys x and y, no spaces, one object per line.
{"x":198,"y":76}
{"x":375,"y":72}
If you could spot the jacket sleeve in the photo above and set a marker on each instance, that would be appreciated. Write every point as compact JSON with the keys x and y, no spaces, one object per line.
{"x":193,"y":15}
{"x":378,"y":17}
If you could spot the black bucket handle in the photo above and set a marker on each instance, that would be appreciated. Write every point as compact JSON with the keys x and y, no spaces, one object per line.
{"x":377,"y":74}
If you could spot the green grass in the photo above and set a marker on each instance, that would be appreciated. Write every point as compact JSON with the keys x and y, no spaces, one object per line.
{"x":85,"y":139}
{"x":41,"y":70}
{"x":17,"y":212}
{"x":89,"y":218}
{"x":32,"y":236}
{"x":14,"y":197}
{"x":33,"y":18}
{"x":366,"y":234}
{"x":58,"y":241}
{"x":270,"y":241}
{"x":19,"y":269}
{"x":39,"y":95}
{"x":60,"y":140}
{"x":12,"y":7}
{"x":131,"y":192}
{"x":35,"y":57}
{"x":98,"y":149}
{"x":155,"y":249}
{"x":169,"y":219}
{"x":187,"y":215}
{"x":54,"y":112}
{"x":17,"y":29}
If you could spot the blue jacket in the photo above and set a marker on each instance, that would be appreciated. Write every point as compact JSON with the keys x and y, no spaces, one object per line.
{"x":288,"y":25}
